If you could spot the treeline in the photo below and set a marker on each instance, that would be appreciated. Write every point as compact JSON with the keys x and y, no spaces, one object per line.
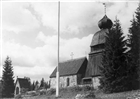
{"x":120,"y":70}
{"x":42,"y":85}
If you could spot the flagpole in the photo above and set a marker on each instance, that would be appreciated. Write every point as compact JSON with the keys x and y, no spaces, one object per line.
{"x":57,"y":74}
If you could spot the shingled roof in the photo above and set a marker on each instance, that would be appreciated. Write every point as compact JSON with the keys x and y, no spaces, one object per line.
{"x":24,"y":83}
{"x":69,"y":67}
{"x":99,"y":37}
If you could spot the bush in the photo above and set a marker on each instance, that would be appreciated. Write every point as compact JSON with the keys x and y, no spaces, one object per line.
{"x":75,"y":88}
{"x":90,"y":95}
{"x":19,"y":96}
{"x":42,"y":92}
{"x":51,"y":91}
{"x":32,"y":93}
{"x":88,"y":88}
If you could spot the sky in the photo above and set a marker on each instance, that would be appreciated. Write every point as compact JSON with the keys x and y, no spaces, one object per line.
{"x":29,"y":32}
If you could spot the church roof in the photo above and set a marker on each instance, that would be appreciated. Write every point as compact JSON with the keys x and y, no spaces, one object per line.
{"x":70,"y":67}
{"x":99,"y":37}
{"x":23,"y":82}
{"x":105,"y":23}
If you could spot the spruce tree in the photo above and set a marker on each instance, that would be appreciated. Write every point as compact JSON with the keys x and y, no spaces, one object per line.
{"x":0,"y":88}
{"x":36,"y":85}
{"x":42,"y":83}
{"x":134,"y":46}
{"x":114,"y":65}
{"x":8,"y":79}
{"x":33,"y":86}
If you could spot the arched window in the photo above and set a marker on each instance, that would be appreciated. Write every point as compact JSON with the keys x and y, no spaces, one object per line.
{"x":68,"y":81}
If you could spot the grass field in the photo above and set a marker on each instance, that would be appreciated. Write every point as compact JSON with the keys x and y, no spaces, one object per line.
{"x":121,"y":95}
{"x":70,"y":93}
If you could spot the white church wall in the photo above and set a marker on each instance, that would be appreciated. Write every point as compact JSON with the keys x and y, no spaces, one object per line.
{"x":64,"y":82}
{"x":52,"y":82}
{"x":17,"y":85}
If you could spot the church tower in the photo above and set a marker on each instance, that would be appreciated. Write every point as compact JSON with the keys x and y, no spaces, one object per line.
{"x":96,"y":50}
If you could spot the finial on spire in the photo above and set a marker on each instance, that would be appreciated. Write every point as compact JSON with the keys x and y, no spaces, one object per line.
{"x":71,"y":55}
{"x":104,"y":7}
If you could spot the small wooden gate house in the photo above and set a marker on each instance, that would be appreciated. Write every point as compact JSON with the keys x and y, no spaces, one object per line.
{"x":21,"y":84}
{"x":71,"y":72}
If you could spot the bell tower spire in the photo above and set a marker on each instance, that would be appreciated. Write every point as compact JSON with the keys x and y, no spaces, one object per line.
{"x":105,"y":22}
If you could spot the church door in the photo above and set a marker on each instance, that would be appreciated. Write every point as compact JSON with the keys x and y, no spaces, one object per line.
{"x":17,"y":90}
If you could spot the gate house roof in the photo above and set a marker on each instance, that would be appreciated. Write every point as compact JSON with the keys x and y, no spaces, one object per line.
{"x":24,"y":83}
{"x":70,"y":67}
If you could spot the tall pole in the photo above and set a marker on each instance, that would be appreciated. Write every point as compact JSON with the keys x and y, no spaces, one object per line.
{"x":57,"y":74}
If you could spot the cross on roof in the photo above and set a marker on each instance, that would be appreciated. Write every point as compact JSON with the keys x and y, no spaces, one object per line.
{"x":71,"y":55}
{"x":105,"y":7}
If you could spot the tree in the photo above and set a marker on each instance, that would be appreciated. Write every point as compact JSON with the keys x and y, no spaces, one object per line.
{"x":33,"y":86}
{"x":47,"y":85}
{"x":42,"y":83}
{"x":0,"y":88}
{"x":36,"y":85}
{"x":134,"y":46}
{"x":8,"y":79}
{"x":114,"y":71}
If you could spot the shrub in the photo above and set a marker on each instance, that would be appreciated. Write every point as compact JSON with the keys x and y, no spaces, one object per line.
{"x":75,"y":88}
{"x":42,"y":92}
{"x":51,"y":91}
{"x":88,"y":88}
{"x":19,"y":96}
{"x":90,"y":95}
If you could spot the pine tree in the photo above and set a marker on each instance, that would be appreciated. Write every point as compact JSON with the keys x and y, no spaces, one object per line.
{"x":36,"y":85}
{"x":8,"y":79}
{"x":42,"y":83}
{"x":114,"y":71}
{"x":0,"y":88}
{"x":33,"y":85}
{"x":134,"y":52}
{"x":46,"y":85}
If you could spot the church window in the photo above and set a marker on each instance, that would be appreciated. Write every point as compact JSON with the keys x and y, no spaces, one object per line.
{"x":68,"y":81}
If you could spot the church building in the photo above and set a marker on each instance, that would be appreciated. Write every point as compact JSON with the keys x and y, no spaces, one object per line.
{"x":71,"y":72}
{"x":83,"y":71}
